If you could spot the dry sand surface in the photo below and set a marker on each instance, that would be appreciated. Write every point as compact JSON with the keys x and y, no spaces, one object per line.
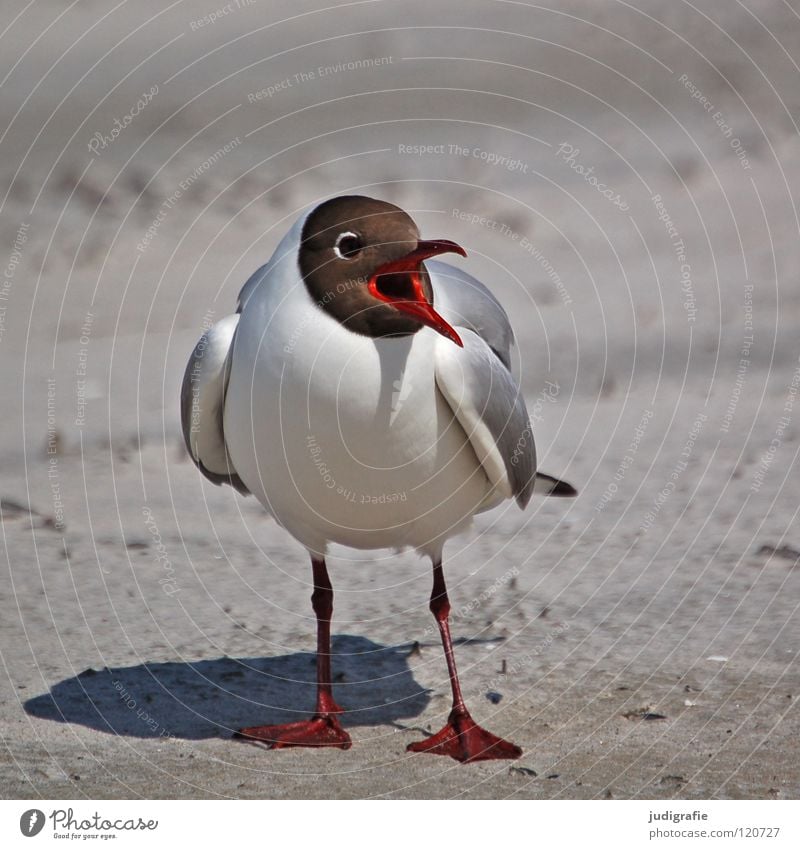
{"x":624,"y":176}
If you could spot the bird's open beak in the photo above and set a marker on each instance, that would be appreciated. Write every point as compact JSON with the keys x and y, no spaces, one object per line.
{"x":411,"y":299}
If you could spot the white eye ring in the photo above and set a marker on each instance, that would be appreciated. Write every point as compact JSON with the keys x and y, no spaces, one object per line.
{"x":342,"y":236}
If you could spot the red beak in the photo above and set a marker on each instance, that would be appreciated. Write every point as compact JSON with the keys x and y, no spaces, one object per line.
{"x":418,"y":306}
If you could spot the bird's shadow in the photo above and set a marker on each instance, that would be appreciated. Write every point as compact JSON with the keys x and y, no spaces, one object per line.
{"x":213,"y":698}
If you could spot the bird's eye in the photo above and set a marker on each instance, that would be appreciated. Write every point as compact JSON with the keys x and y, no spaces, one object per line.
{"x":347,"y":246}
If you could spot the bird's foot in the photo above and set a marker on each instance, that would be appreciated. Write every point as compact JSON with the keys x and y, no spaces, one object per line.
{"x":320,"y":730}
{"x":466,"y":741}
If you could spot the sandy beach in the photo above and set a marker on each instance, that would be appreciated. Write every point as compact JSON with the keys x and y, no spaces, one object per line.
{"x":625,"y":178}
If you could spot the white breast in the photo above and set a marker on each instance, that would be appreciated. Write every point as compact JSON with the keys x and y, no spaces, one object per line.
{"x":344,"y":438}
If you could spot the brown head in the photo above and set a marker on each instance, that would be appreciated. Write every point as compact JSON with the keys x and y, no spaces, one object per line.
{"x":362,"y":262}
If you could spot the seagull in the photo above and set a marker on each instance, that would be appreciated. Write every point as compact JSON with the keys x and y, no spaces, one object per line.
{"x":363,"y":393}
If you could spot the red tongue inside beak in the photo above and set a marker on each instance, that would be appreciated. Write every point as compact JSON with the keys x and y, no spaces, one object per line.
{"x":415,"y":303}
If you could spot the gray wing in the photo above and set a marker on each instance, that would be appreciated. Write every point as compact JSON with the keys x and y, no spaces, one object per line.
{"x":466,"y":302}
{"x":252,"y":284}
{"x":488,"y":404}
{"x":203,"y":402}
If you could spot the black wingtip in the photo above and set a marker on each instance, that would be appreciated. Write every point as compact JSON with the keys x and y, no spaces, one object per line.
{"x":562,"y":489}
{"x":218,"y":479}
{"x":548,"y":485}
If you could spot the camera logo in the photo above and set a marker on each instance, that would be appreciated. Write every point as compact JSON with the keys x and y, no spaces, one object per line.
{"x":31,"y":822}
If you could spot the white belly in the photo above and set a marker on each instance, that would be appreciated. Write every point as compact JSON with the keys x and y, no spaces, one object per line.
{"x":344,"y":438}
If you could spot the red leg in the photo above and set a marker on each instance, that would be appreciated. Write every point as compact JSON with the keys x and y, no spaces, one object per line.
{"x":323,"y":729}
{"x":461,"y":738}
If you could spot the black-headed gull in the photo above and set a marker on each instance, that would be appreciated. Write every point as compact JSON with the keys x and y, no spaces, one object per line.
{"x":364,"y":395}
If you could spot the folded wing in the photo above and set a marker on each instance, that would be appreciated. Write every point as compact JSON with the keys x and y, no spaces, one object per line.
{"x":480,"y":389}
{"x":487,"y":403}
{"x":466,"y":302}
{"x":205,"y":383}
